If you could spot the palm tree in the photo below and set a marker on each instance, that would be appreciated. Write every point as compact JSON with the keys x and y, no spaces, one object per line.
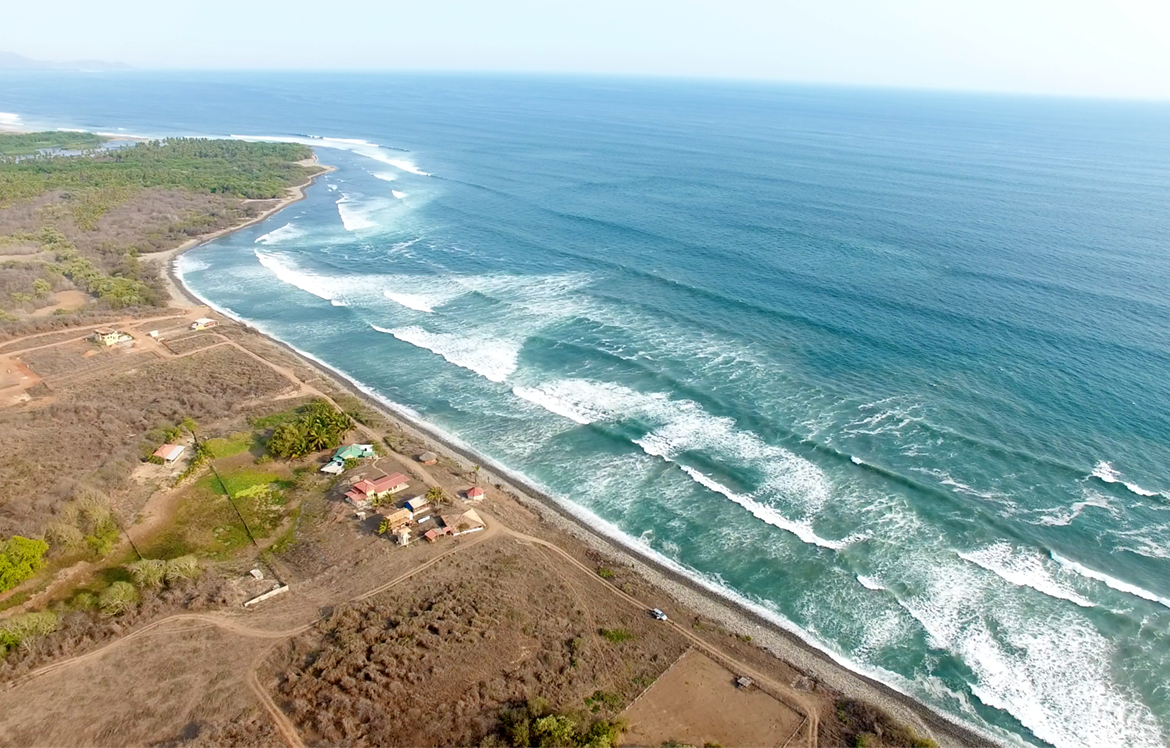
{"x":475,"y":471}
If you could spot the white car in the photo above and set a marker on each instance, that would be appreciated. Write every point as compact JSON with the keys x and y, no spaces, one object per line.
{"x":658,"y":614}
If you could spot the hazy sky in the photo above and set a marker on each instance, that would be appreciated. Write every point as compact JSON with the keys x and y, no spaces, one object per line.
{"x":1081,"y":47}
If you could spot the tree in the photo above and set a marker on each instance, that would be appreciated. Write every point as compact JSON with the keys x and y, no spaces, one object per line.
{"x":20,"y":558}
{"x":41,"y":288}
{"x":554,"y":731}
{"x":436,"y":495}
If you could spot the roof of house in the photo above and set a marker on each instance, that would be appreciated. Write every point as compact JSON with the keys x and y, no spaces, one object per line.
{"x":352,"y":451}
{"x":431,"y":534}
{"x":417,"y":502}
{"x":386,"y":482}
{"x":474,"y":491}
{"x":105,"y":331}
{"x":169,"y":451}
{"x":472,"y":517}
{"x":364,"y":487}
{"x":427,"y":457}
{"x":203,"y":320}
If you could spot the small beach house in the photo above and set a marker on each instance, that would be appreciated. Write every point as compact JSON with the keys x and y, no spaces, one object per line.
{"x":475,"y":493}
{"x":168,"y":453}
{"x":367,"y":491}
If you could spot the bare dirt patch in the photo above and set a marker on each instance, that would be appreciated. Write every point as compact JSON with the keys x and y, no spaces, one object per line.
{"x":696,"y":702}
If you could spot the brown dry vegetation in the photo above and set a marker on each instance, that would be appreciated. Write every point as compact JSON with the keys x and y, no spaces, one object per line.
{"x":92,"y":433}
{"x":435,"y":660}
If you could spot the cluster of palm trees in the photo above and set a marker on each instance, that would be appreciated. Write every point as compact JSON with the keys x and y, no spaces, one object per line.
{"x":318,"y":426}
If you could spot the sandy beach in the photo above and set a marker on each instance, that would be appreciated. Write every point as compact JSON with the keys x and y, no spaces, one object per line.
{"x":729,"y":613}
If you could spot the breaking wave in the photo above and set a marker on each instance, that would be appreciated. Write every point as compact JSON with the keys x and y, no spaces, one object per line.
{"x":282,"y":234}
{"x":1111,"y":582}
{"x":1106,"y":473}
{"x":353,"y":217}
{"x":492,"y":358}
{"x":683,"y":426}
{"x":1023,"y":569}
{"x":287,"y":272}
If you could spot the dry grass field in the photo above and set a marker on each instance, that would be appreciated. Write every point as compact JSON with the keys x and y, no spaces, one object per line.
{"x":698,"y":703}
{"x":433,"y":661}
{"x":91,"y":433}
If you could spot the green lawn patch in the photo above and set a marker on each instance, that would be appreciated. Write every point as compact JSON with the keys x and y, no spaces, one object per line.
{"x":229,"y":446}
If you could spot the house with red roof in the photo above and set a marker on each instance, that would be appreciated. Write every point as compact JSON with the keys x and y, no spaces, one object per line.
{"x":475,"y":493}
{"x":368,"y":491}
{"x":168,"y":453}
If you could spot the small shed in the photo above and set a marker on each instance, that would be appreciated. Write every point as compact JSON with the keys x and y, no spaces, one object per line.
{"x":743,"y":682}
{"x":168,"y":453}
{"x":202,"y":323}
{"x":402,"y":535}
{"x":431,"y":535}
{"x":428,"y":458}
{"x":397,"y":518}
{"x":417,"y":504}
{"x":334,"y":467}
{"x":475,"y":493}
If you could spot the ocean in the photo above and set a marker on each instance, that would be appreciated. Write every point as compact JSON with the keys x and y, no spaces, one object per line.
{"x":889,"y":367}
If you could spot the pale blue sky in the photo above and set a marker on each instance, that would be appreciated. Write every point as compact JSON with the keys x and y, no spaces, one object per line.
{"x":1116,"y":48}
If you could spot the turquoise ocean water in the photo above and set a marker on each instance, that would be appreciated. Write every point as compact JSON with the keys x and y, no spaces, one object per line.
{"x":890,"y":367}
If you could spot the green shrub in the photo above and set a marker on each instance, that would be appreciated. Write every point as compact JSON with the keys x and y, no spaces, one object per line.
{"x":24,"y":627}
{"x":616,"y":635}
{"x":183,"y":567}
{"x":20,"y":558}
{"x":103,"y":537}
{"x":155,"y":460}
{"x":63,"y":536}
{"x":118,"y":598}
{"x":605,"y":573}
{"x":148,"y":572}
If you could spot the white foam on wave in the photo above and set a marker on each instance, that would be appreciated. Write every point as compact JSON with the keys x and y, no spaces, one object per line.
{"x":417,"y":302}
{"x":492,"y":358}
{"x":1108,"y":474}
{"x":763,"y":513}
{"x":354,"y":145}
{"x":1023,"y":568}
{"x":187,"y":263}
{"x":398,"y":194}
{"x":1062,"y":519}
{"x":1051,"y":672}
{"x":682,"y":426}
{"x":354,"y":216}
{"x":282,"y":234}
{"x":385,"y":176}
{"x":870,"y":583}
{"x":1112,"y":582}
{"x":425,"y":293}
{"x":287,"y":271}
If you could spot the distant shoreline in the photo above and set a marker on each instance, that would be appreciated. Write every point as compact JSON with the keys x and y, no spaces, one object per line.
{"x":688,"y":592}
